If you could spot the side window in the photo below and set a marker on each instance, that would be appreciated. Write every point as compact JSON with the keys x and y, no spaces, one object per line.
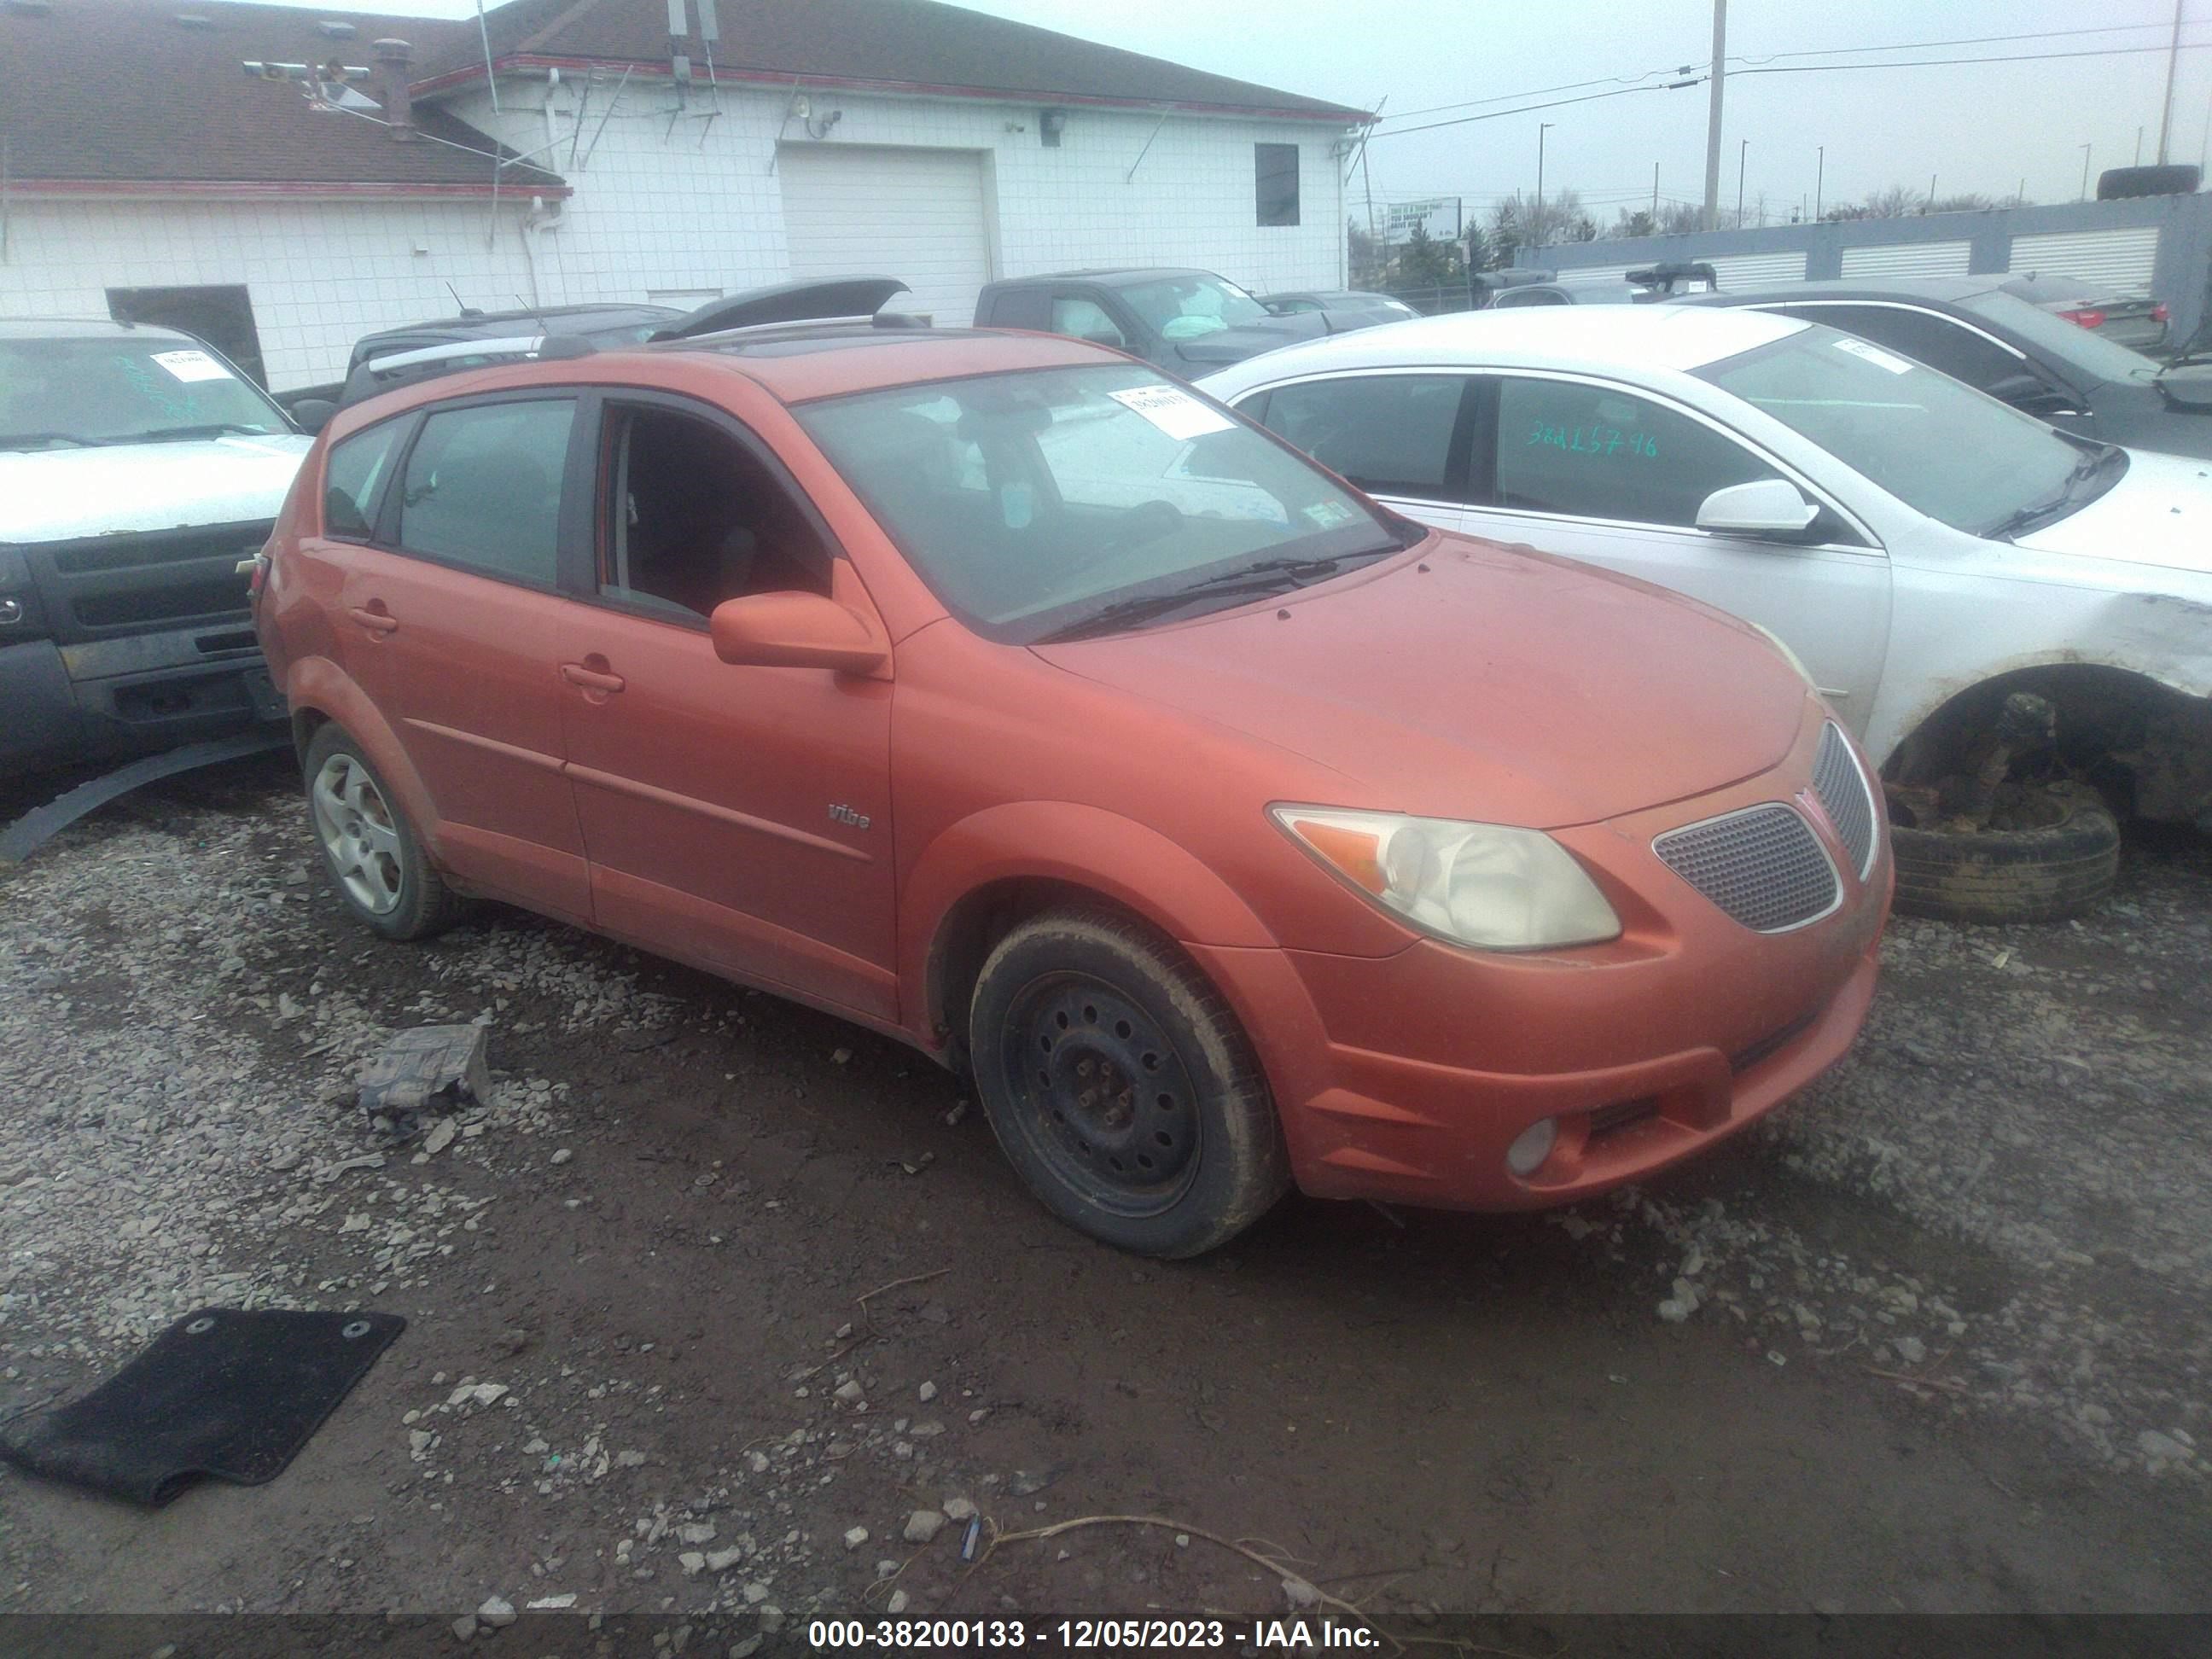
{"x":353,"y":481}
{"x":1275,"y":183}
{"x":1390,"y":433}
{"x":689,"y":518}
{"x":1592,"y":452}
{"x":1086,"y":319}
{"x":1024,"y":307}
{"x":1529,"y":296}
{"x":483,"y":488}
{"x":1925,"y":337}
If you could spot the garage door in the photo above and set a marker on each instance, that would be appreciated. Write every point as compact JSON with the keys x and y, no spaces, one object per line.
{"x":1750,"y":270}
{"x":1907,"y":259}
{"x":2123,"y":259}
{"x":916,"y":214}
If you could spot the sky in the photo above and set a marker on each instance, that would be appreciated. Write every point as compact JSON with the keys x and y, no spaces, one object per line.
{"x":1993,"y":127}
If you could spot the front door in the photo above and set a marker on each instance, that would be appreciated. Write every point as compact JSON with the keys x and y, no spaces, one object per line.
{"x":448,"y":619}
{"x":1586,"y":468}
{"x":737,"y":818}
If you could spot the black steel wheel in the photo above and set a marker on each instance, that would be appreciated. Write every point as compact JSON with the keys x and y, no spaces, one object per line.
{"x":1121,"y":1086}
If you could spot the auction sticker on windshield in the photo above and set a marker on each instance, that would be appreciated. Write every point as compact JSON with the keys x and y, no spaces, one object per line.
{"x":1174,"y":412}
{"x":1873,"y":354}
{"x":191,"y":365}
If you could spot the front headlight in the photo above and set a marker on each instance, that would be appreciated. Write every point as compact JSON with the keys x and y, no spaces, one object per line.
{"x":1485,"y":886}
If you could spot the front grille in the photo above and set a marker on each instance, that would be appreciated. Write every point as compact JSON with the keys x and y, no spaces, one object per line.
{"x":1845,"y":798}
{"x":104,"y":586}
{"x":1763,"y":866}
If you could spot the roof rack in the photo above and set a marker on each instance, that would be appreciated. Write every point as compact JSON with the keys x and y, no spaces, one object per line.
{"x":834,"y":298}
{"x":399,"y":368}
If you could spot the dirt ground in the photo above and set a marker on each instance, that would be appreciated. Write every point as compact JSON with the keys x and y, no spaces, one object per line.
{"x":747,"y":1279}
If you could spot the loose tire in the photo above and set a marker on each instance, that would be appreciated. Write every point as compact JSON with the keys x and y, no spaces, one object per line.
{"x":1119,"y":1085}
{"x":370,"y":851}
{"x":2057,"y":869}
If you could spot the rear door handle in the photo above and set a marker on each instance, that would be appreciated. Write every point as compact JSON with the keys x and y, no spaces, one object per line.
{"x":376,"y":622}
{"x":590,"y":678}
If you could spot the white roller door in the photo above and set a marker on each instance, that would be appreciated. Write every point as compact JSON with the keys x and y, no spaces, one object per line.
{"x":2121,"y":259}
{"x":1907,"y":259}
{"x":1748,"y":270}
{"x":916,"y":214}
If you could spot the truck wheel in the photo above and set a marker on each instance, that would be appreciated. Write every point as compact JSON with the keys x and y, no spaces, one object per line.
{"x":370,"y":851}
{"x":2059,"y":858}
{"x":1119,"y":1085}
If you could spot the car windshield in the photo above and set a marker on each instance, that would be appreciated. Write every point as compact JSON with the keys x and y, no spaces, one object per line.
{"x":2082,"y":349}
{"x":64,"y":393}
{"x":1185,"y":307}
{"x":1939,"y":446}
{"x":1030,"y":502}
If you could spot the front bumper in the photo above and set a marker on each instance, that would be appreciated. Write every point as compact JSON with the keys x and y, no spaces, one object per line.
{"x":130,"y":696}
{"x":1406,"y":1078}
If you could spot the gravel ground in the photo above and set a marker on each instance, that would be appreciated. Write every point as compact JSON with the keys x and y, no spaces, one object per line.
{"x":720,"y":1308}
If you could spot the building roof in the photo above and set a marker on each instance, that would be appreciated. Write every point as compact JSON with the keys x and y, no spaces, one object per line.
{"x":101,"y":96}
{"x":891,"y":46}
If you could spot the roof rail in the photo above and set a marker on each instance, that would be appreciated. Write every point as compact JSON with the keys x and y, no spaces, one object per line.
{"x":830,"y":299}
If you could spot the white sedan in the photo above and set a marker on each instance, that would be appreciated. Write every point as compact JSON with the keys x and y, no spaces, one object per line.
{"x":1925,"y":551}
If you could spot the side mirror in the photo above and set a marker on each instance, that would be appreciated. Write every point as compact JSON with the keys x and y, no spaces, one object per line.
{"x":796,"y":630}
{"x":313,"y":414}
{"x":1765,"y":507}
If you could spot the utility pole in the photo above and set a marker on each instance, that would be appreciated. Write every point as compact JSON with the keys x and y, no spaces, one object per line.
{"x":1536,"y":229}
{"x":2139,"y":133}
{"x":1743,"y":155}
{"x":1655,"y":198}
{"x":2085,"y":173}
{"x":1931,"y":193}
{"x":1819,"y":178}
{"x":1713,"y":117}
{"x":2166,"y":108}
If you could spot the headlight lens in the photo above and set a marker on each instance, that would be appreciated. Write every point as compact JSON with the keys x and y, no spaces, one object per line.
{"x":1486,"y":885}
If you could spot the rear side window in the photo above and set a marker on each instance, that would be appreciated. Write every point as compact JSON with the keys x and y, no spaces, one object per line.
{"x":1390,"y":434}
{"x":353,"y":481}
{"x":1594,"y":451}
{"x":483,"y":488}
{"x":1021,"y":307}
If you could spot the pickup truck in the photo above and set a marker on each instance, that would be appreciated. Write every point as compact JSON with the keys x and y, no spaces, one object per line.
{"x":1187,"y":322}
{"x":137,"y":469}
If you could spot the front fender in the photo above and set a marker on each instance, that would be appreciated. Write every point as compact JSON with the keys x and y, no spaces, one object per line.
{"x":1117,"y":858}
{"x":318,"y":685}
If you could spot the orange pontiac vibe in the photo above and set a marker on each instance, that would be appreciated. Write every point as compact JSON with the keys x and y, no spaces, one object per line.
{"x":997,"y":693}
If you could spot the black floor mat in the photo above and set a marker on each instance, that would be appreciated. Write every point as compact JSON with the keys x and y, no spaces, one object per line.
{"x":221,"y":1393}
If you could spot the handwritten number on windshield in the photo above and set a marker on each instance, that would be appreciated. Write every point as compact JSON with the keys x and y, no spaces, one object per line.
{"x":1595,"y":441}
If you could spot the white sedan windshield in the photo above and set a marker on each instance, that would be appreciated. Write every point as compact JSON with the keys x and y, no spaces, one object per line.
{"x":1939,"y":446}
{"x":77,"y":392}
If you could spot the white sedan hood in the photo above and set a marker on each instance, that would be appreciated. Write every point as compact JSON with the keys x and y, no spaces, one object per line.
{"x":61,"y":494}
{"x":2160,"y":512}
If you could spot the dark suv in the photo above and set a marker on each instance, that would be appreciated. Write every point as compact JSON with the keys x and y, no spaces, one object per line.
{"x":1188,"y":322}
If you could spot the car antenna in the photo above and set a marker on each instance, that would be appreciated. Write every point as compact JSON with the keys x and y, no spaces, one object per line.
{"x":466,"y":310}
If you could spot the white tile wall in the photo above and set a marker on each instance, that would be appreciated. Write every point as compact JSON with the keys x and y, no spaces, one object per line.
{"x":690,"y":205}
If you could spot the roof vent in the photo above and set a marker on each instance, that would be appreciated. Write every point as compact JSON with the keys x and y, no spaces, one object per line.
{"x":193,"y":20}
{"x":333,"y":29}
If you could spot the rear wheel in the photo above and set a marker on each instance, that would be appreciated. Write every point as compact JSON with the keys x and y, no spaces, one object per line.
{"x":2057,"y":856}
{"x":370,"y":851}
{"x":1121,"y":1086}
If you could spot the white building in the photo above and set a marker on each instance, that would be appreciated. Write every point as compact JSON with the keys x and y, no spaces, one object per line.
{"x":344,"y":187}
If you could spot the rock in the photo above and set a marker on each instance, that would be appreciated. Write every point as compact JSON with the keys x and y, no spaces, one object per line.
{"x":497,"y":1612}
{"x":722,"y":1561}
{"x":927,"y":1393}
{"x":629,"y":1460}
{"x":958,"y":1508}
{"x":440,"y":1136}
{"x":1911,"y":1349}
{"x":898,"y":1603}
{"x":850,"y":1391}
{"x":2162,"y":1448}
{"x":771,"y":1618}
{"x":756,"y":1592}
{"x":855,"y":1536}
{"x":923,"y":1525}
{"x":888,"y":1567}
{"x":562,"y":1154}
{"x":746,"y":1648}
{"x":692,"y":1562}
{"x":463,"y":1627}
{"x":1300,"y":1594}
{"x":554,"y":1603}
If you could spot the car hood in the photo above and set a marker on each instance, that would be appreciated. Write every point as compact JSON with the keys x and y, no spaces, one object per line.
{"x":60,"y":495}
{"x":1234,"y":345}
{"x":2160,"y":512}
{"x":1480,"y":682}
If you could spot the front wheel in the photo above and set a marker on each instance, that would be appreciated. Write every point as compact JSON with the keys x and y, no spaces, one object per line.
{"x":1119,"y":1085}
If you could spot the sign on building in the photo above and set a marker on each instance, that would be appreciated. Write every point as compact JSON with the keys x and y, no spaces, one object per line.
{"x":1440,"y":215}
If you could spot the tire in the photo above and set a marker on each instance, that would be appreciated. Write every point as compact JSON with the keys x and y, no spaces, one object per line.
{"x":1121,"y":1087}
{"x":371,"y":853}
{"x":2122,"y":184}
{"x":2057,"y":870}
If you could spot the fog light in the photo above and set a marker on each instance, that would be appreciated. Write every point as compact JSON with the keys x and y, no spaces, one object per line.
{"x":1532,"y":1146}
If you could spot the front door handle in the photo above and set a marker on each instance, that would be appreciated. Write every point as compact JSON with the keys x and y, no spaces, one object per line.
{"x":376,"y":622}
{"x":590,"y":679}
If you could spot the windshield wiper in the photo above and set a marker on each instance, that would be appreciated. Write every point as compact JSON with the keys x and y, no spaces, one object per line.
{"x":2094,"y":462}
{"x":25,"y":439}
{"x":206,"y":429}
{"x":1262,"y":576}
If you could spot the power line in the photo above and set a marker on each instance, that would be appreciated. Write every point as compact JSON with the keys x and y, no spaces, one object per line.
{"x":1939,"y":62}
{"x":1526,"y":109}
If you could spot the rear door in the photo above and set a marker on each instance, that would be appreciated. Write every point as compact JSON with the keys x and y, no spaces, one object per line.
{"x":1593,"y":471}
{"x":448,"y":618}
